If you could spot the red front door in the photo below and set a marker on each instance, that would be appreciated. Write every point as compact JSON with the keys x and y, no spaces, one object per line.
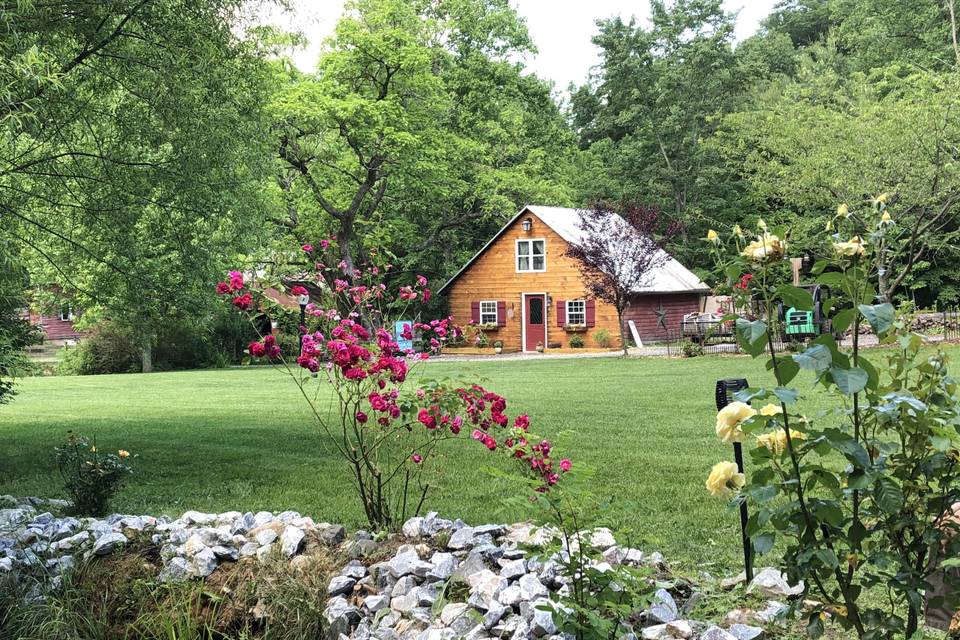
{"x":534,"y":321}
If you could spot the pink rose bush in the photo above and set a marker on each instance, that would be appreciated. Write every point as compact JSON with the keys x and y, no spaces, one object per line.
{"x":388,"y":428}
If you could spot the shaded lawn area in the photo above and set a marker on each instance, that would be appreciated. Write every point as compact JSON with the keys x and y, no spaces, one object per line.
{"x":243,"y":439}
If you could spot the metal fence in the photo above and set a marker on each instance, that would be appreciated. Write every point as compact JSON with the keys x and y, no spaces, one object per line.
{"x":938,"y":326}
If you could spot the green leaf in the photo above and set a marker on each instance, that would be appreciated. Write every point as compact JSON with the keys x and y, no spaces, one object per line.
{"x":849,"y":381}
{"x":849,"y":447}
{"x":889,"y":495}
{"x":873,"y":377}
{"x":762,"y":543}
{"x":787,"y":367}
{"x":795,"y":297}
{"x":827,"y":557}
{"x":816,"y":358}
{"x":752,"y":336}
{"x":828,"y":512}
{"x":786,"y":396}
{"x":880,"y":316}
{"x":843,"y":319}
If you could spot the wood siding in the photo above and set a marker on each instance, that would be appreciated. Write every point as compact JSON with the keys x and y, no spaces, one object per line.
{"x":644,"y":311}
{"x":494,"y":276}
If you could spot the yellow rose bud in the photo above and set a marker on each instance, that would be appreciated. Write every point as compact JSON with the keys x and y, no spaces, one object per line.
{"x":725,"y":480}
{"x":123,"y":453}
{"x":93,"y":449}
{"x":851,"y":249}
{"x":761,"y":224}
{"x":737,"y":231}
{"x":771,"y":410}
{"x":843,"y":211}
{"x":886,"y":219}
{"x":776,"y":441}
{"x":729,"y":420}
{"x":713,"y":237}
{"x":829,"y":226}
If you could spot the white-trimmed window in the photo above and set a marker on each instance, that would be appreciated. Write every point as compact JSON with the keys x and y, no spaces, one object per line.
{"x":576,"y":312}
{"x":531,"y":255}
{"x":488,"y":312}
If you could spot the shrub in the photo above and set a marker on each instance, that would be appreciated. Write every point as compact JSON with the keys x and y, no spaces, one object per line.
{"x":91,"y":476}
{"x":576,"y":341}
{"x":692,"y":349}
{"x":881,"y":520}
{"x":107,"y":349}
{"x":602,"y":338}
{"x":386,"y":432}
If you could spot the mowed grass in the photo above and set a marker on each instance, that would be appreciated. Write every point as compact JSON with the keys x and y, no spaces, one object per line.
{"x":244,"y":439}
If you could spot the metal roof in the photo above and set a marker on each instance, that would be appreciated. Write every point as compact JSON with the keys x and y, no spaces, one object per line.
{"x":671,"y":277}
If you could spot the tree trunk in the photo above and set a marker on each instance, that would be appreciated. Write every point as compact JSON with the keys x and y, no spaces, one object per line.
{"x":146,"y":354}
{"x":623,"y":337}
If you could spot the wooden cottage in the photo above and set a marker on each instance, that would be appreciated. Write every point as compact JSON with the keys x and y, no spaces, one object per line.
{"x":524,"y":290}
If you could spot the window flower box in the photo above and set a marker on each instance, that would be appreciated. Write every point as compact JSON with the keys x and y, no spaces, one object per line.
{"x":489,"y":326}
{"x":575,"y":328}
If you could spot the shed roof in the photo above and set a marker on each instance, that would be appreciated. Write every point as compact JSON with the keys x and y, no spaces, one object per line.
{"x":671,"y":277}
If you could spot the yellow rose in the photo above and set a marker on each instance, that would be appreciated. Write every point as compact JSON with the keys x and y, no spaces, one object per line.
{"x":737,"y":231}
{"x":725,"y":480}
{"x":771,"y":410}
{"x":766,"y":248}
{"x":729,"y":420}
{"x":881,"y":199}
{"x":829,"y":226}
{"x":886,"y":219}
{"x":123,"y":453}
{"x":843,"y":211}
{"x":93,"y":449}
{"x":776,"y":441}
{"x":853,"y":248}
{"x":713,"y":237}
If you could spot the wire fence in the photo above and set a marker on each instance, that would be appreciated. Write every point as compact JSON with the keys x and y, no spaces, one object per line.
{"x":937,"y":326}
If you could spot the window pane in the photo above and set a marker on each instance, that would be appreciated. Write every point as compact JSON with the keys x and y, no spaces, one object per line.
{"x":523,"y":264}
{"x":538,"y":263}
{"x":523,"y":248}
{"x":536,"y":311}
{"x":538,"y":247}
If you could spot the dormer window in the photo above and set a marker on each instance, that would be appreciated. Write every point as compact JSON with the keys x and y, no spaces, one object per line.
{"x":531,"y":255}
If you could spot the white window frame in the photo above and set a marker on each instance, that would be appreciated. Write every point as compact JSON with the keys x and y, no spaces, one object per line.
{"x":529,"y":256}
{"x":582,"y":312}
{"x":496,"y":317}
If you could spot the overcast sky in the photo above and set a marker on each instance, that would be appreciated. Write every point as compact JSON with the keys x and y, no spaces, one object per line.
{"x":561,"y":29}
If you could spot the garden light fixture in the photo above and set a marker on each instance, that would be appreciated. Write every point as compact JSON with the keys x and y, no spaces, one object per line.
{"x":725,"y":391}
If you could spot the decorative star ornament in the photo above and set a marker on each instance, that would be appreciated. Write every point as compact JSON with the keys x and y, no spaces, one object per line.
{"x":661,"y":316}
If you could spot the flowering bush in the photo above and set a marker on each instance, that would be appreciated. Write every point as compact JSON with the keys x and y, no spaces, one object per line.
{"x":386,"y":431}
{"x":859,"y":496}
{"x":91,"y":476}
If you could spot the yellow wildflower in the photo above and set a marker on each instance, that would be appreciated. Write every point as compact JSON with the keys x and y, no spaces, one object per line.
{"x":729,"y":420}
{"x":853,"y":248}
{"x":725,"y":480}
{"x":766,"y":248}
{"x":123,"y":453}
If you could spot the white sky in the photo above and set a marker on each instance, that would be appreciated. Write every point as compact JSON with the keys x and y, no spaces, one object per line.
{"x":561,"y":29}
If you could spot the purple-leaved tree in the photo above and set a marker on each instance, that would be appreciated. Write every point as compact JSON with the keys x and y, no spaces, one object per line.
{"x":620,"y":248}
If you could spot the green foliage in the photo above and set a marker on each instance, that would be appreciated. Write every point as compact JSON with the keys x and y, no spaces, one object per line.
{"x":602,"y":338}
{"x":90,"y":475}
{"x":107,"y":349}
{"x":16,"y":333}
{"x":862,"y":497}
{"x":576,"y":341}
{"x":692,"y":349}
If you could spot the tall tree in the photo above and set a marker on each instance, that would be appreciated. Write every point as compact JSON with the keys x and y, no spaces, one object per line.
{"x":130,"y":154}
{"x":647,"y":111}
{"x":419,"y":131}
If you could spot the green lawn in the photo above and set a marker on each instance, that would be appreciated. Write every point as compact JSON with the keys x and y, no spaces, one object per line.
{"x":242,"y":439}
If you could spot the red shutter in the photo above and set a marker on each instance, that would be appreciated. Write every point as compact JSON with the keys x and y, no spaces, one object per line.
{"x":561,"y":312}
{"x":475,"y":312}
{"x":501,"y":313}
{"x":591,"y":313}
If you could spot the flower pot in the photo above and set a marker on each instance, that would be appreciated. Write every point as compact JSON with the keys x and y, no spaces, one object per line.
{"x":498,"y":350}
{"x":539,"y":347}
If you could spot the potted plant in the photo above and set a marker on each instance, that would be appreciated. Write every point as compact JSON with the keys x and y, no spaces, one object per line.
{"x":540,"y":347}
{"x":498,"y":347}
